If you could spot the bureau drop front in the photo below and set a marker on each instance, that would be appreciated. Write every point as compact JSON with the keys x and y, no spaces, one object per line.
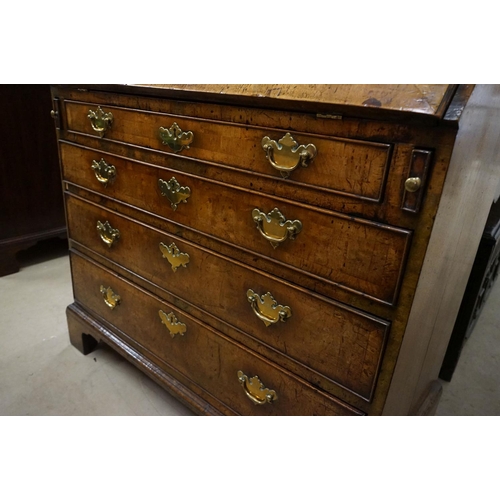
{"x":276,"y":249}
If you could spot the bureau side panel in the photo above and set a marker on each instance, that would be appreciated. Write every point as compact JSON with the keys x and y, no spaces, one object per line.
{"x":467,"y":197}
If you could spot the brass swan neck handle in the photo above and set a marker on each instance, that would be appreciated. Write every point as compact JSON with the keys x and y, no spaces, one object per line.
{"x":175,"y":138}
{"x":100,"y":121}
{"x":267,"y":309}
{"x":255,"y":390}
{"x":275,"y":227}
{"x":286,"y":154}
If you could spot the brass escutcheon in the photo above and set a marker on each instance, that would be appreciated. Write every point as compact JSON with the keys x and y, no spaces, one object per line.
{"x":174,"y":192}
{"x":110,"y":298}
{"x":173,"y":326}
{"x":255,"y":390}
{"x":274,"y":226}
{"x":175,"y":257}
{"x":100,"y":120}
{"x":107,"y":233}
{"x":267,"y":309}
{"x":104,"y":173}
{"x":286,"y":154}
{"x":412,"y":184}
{"x":175,"y":138}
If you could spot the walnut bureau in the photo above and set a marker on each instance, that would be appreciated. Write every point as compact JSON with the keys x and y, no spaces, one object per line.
{"x":276,"y":249}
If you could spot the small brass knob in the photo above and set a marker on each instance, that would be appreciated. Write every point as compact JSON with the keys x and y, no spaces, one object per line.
{"x":412,"y":184}
{"x":53,"y":113}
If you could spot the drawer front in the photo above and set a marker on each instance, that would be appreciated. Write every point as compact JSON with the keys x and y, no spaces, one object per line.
{"x":207,"y":358}
{"x":354,"y":167}
{"x":357,"y":255}
{"x":340,"y":343}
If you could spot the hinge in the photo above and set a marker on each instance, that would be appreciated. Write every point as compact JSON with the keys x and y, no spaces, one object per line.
{"x":56,"y":112}
{"x":329,"y":117}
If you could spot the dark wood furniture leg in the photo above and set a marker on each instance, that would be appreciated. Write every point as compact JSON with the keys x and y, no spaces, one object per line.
{"x":84,"y":342}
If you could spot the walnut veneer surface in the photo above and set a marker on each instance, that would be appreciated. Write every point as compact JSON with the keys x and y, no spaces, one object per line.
{"x":259,"y":250}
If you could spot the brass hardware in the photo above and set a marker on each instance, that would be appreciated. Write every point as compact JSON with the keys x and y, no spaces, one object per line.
{"x":413,"y":184}
{"x":110,"y":298}
{"x":174,"y":256}
{"x":54,"y":113}
{"x":104,"y":173}
{"x":173,"y":326}
{"x":274,"y":226}
{"x":267,"y":309}
{"x":416,"y":179}
{"x":286,"y":154}
{"x":174,"y":192}
{"x":329,"y":117}
{"x":107,"y":233}
{"x":175,"y":138}
{"x":100,"y":120}
{"x":255,"y":390}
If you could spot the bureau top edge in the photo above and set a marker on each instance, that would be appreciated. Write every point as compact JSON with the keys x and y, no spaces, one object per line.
{"x":424,"y":104}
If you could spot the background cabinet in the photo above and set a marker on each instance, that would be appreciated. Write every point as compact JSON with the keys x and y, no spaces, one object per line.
{"x":31,"y":204}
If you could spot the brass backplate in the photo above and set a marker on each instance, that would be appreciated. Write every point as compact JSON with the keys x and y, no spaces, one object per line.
{"x":175,"y":138}
{"x":255,"y":389}
{"x":104,"y":173}
{"x":108,"y":234}
{"x":100,"y":120}
{"x":286,"y":154}
{"x":174,"y":326}
{"x":275,"y":227}
{"x":110,"y":298}
{"x":174,"y":192}
{"x":267,"y":309}
{"x":175,"y":257}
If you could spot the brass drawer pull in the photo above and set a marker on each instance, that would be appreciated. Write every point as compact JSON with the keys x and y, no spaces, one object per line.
{"x":267,"y":309}
{"x":255,"y":390}
{"x":174,"y":192}
{"x":286,"y":154}
{"x":104,"y":173}
{"x":274,"y":226}
{"x":412,"y":184}
{"x":174,"y":256}
{"x":107,"y":233}
{"x":175,"y":138}
{"x":172,"y":324}
{"x":110,"y":298}
{"x":100,"y":120}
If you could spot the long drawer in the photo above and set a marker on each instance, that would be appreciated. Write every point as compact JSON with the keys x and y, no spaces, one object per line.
{"x":358,"y":255}
{"x":234,"y":375}
{"x":340,"y":343}
{"x":354,"y":167}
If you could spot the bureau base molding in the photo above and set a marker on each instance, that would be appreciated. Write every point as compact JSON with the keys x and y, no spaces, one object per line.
{"x":85,"y":333}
